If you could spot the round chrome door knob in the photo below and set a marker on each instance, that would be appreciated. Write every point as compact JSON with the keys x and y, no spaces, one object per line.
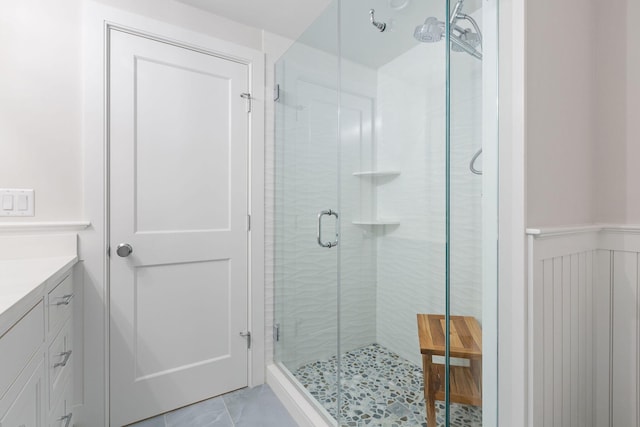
{"x":124,"y":250}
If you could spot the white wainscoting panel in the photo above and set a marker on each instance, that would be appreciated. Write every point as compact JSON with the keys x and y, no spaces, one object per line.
{"x":563,"y":319}
{"x":602,"y":333}
{"x":625,"y":339}
{"x":620,"y":269}
{"x":585,"y":326}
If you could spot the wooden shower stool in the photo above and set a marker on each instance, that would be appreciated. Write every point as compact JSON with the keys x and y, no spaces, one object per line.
{"x":466,"y":343}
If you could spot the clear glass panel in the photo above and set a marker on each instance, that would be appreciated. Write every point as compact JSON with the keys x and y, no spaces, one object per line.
{"x":392,"y":255}
{"x":472,"y":213}
{"x":381,"y":127}
{"x":306,"y":185}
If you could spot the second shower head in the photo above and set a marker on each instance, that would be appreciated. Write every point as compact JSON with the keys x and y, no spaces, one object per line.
{"x":462,"y":40}
{"x":431,"y":31}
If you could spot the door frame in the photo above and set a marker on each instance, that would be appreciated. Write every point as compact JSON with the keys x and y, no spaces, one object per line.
{"x":98,"y":20}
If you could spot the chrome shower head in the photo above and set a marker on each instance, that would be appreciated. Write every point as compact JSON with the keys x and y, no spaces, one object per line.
{"x":462,"y":39}
{"x":430,"y":32}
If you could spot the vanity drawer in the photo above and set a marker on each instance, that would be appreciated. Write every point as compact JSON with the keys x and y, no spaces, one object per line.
{"x":19,"y":344}
{"x":25,"y":409}
{"x":62,"y":415}
{"x":60,"y":360}
{"x":60,"y":303}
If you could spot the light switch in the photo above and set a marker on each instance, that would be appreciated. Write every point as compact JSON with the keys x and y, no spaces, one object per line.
{"x":23,"y":202}
{"x":16,"y":202}
{"x":7,"y":202}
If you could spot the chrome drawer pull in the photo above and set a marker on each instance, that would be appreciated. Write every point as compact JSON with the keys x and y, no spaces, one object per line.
{"x":65,"y":300}
{"x":66,"y":417}
{"x":66,"y":355}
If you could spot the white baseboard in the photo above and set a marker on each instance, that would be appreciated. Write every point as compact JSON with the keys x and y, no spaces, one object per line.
{"x":302,"y":411}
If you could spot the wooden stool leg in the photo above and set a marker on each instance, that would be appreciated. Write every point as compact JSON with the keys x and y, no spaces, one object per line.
{"x":429,"y":390}
{"x":476,"y":371}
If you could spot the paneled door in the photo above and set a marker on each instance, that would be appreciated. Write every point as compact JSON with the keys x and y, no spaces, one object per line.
{"x":178,"y":136}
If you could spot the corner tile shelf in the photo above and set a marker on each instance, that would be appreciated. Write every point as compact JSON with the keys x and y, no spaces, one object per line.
{"x":377,"y":174}
{"x":377,"y":222}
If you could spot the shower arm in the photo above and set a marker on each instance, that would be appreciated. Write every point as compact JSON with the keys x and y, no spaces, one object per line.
{"x":381,"y":26}
{"x":456,"y":14}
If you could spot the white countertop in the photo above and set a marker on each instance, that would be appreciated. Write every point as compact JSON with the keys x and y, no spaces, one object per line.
{"x":29,"y":266}
{"x":21,"y":277}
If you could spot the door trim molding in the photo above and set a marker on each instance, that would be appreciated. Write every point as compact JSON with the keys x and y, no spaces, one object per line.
{"x":98,"y":20}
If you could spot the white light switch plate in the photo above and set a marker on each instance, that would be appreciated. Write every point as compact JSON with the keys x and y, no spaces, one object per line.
{"x":16,"y":202}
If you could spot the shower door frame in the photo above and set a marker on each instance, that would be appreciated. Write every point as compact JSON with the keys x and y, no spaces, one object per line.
{"x":513,"y":340}
{"x":514,"y":333}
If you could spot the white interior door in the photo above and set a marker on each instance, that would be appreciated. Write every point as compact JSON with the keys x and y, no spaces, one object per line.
{"x":178,"y":197}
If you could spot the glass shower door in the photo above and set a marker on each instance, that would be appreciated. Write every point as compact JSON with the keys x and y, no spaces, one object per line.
{"x":306,"y":213}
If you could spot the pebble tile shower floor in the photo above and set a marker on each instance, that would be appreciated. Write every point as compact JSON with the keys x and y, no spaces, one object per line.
{"x":379,"y":388}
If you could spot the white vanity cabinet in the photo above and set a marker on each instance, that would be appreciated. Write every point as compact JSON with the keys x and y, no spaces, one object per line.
{"x":60,"y":352}
{"x":37,"y":350}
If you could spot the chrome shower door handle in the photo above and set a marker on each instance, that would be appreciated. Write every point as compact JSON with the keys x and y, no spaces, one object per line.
{"x":319,"y":234}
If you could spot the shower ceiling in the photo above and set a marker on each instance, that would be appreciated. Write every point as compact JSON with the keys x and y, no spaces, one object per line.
{"x":290,"y":18}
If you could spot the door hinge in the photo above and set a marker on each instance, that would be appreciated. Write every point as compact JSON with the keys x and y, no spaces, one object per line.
{"x":248,"y":222}
{"x":108,"y":251}
{"x":248,"y":97}
{"x":248,"y":336}
{"x":276,"y":332}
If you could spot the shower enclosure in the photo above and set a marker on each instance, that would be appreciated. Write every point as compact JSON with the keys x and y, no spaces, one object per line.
{"x":386,"y":207}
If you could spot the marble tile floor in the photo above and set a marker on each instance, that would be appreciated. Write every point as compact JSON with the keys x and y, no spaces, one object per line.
{"x":248,"y":407}
{"x":379,"y":388}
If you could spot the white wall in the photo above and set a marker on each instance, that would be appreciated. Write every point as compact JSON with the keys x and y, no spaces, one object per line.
{"x":610,"y":162}
{"x":618,"y":103}
{"x":194,"y":19}
{"x":41,"y":93}
{"x":560,"y":112}
{"x":583,"y":113}
{"x":633,"y":112}
{"x":40,"y":97}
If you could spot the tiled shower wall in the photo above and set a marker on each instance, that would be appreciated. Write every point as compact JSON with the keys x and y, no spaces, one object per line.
{"x":389,"y":273}
{"x":411,"y":139}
